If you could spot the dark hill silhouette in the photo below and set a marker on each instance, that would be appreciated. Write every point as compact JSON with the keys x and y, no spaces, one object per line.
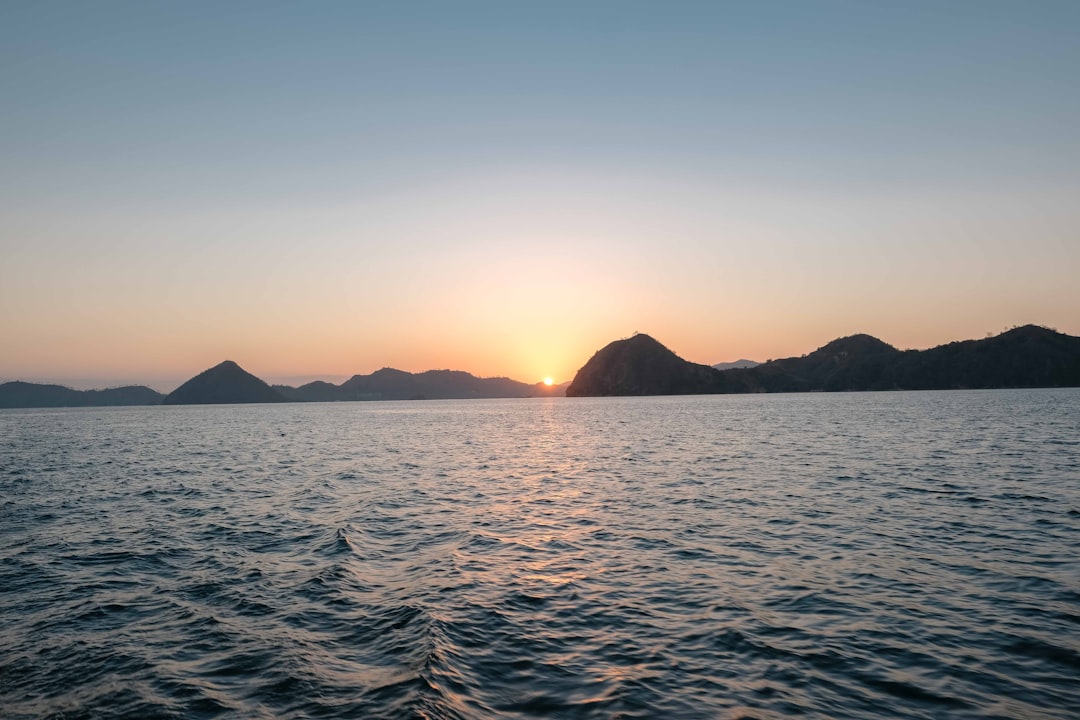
{"x":223,"y":384}
{"x":386,"y":383}
{"x":857,"y":362}
{"x":1029,"y":356}
{"x":317,"y":391}
{"x":126,"y":395}
{"x":642,"y":366}
{"x":391,"y":384}
{"x":736,"y":365}
{"x":29,"y":395}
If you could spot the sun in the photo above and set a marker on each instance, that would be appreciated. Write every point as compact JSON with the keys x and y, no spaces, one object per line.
{"x":548,"y":381}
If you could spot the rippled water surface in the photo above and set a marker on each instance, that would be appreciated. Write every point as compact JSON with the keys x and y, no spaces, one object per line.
{"x":841,"y":556}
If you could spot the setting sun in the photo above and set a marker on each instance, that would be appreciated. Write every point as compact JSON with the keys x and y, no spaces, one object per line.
{"x":548,"y":381}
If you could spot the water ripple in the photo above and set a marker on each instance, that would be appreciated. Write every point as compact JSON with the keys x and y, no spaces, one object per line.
{"x":910,"y":555}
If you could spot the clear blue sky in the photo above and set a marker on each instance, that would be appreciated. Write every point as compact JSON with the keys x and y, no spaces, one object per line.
{"x":503,"y":187}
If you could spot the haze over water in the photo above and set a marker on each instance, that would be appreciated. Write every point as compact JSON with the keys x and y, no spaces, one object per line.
{"x":841,"y":555}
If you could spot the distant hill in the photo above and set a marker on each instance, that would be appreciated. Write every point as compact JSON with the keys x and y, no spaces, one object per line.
{"x":642,"y":366}
{"x":30,"y":395}
{"x":1028,"y":356}
{"x":318,"y":391}
{"x":223,"y":384}
{"x":556,"y":390}
{"x":857,"y":362}
{"x":391,"y":384}
{"x":228,"y":383}
{"x":737,"y":365}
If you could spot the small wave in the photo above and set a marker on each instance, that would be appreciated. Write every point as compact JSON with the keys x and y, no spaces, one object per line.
{"x":594,"y":560}
{"x":1045,"y":651}
{"x":911,"y":693}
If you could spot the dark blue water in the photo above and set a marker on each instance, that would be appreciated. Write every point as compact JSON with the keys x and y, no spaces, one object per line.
{"x":824,"y":556}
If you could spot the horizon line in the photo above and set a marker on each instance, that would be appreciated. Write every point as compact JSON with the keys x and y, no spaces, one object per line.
{"x":274,"y":379}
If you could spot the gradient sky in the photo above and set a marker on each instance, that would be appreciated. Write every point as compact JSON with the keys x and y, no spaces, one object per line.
{"x":327,"y":188}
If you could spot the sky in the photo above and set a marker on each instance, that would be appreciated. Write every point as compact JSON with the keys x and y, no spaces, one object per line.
{"x":317,"y":189}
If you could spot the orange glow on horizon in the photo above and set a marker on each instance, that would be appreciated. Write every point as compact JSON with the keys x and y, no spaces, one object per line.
{"x":166,"y":357}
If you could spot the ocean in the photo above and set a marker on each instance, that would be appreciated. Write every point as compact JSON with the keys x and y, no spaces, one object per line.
{"x":850,"y":555}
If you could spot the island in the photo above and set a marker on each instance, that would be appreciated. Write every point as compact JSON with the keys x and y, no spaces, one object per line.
{"x":18,"y":394}
{"x":1028,"y":356}
{"x":225,"y":383}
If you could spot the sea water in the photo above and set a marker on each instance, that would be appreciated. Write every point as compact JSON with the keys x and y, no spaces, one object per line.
{"x":819,"y":555}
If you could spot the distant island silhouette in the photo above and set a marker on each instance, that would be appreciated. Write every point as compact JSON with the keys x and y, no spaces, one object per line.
{"x":19,"y":394}
{"x":1028,"y":356}
{"x":226,"y":383}
{"x":391,"y":384}
{"x":738,"y":364}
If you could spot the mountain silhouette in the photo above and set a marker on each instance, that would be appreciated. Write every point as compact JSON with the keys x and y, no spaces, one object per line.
{"x":1028,"y":356}
{"x":318,"y":391}
{"x":856,"y":362}
{"x":222,"y":384}
{"x":640,"y":365}
{"x":27,"y":395}
{"x":736,"y":365}
{"x":391,"y":384}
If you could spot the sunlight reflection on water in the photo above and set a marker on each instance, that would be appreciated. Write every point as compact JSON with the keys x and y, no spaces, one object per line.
{"x":885,"y":554}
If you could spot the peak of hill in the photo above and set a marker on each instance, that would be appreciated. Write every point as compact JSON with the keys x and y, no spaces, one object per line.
{"x":1028,"y":356}
{"x":19,"y":394}
{"x":855,"y":362}
{"x":1030,"y":331}
{"x":317,"y":391}
{"x":640,"y":365}
{"x":386,"y":372}
{"x":853,"y":346}
{"x":225,"y":383}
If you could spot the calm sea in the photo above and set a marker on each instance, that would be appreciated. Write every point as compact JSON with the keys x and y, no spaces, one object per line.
{"x":907,"y":555}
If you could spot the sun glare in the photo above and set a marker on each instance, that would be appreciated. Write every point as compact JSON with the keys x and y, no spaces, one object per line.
{"x":548,"y":381}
